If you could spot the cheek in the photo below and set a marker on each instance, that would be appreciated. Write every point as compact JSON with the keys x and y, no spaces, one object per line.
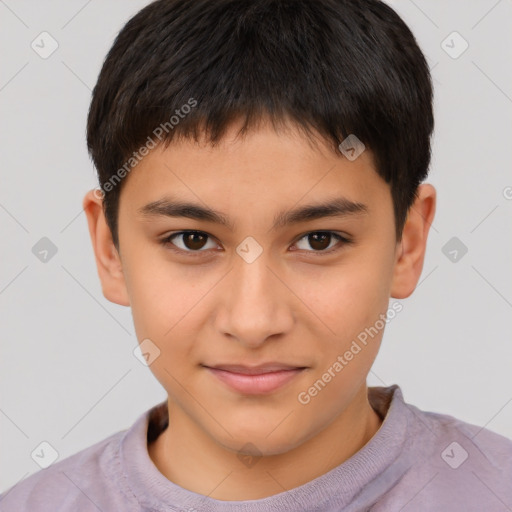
{"x":160,"y":292}
{"x":349,"y":297}
{"x":167,"y":304}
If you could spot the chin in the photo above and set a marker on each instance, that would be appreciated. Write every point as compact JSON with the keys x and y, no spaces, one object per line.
{"x":258,"y":443}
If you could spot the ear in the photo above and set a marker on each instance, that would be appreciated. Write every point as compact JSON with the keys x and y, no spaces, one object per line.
{"x":108,"y":261}
{"x":411,"y":249}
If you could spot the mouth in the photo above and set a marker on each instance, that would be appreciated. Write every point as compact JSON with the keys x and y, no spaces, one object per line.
{"x":255,"y":380}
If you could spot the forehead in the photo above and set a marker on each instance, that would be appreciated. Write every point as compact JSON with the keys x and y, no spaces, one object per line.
{"x":262,"y":169}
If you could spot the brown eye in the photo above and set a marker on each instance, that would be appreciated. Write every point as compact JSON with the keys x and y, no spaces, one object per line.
{"x":191,"y":241}
{"x":321,"y":241}
{"x":194,"y":241}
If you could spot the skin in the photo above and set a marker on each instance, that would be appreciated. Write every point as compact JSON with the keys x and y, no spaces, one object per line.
{"x":291,"y":305}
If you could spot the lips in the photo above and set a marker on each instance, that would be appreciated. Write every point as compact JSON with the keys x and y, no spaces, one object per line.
{"x":255,"y":370}
{"x":255,"y":380}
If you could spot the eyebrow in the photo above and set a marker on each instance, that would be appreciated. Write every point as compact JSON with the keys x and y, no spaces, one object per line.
{"x":338,"y":207}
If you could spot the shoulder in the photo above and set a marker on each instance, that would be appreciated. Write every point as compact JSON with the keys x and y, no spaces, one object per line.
{"x":80,"y":482}
{"x":485,"y":451}
{"x":455,"y":464}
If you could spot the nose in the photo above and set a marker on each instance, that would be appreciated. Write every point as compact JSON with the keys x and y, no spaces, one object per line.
{"x":256,"y":304}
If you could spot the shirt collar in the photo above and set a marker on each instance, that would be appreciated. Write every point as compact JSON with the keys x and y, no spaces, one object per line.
{"x":375,"y":468}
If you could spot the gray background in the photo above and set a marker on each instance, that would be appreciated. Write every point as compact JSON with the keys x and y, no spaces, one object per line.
{"x":67,"y":369}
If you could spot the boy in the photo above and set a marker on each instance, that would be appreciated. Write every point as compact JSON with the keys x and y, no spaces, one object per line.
{"x":261,"y":166}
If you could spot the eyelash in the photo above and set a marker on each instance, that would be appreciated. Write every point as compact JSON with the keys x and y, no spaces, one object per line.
{"x":167,"y":242}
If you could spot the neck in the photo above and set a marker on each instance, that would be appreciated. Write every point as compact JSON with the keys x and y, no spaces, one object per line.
{"x":190,"y":458}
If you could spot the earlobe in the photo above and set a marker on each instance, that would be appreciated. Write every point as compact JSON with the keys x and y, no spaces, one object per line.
{"x":411,"y":249}
{"x":108,"y":262}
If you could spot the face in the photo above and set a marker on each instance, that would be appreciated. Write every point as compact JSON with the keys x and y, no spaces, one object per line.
{"x":255,"y":317}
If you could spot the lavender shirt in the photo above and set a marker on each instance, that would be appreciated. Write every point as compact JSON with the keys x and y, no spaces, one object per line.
{"x":417,"y":461}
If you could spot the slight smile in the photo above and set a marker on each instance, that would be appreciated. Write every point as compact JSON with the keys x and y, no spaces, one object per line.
{"x":255,"y":380}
